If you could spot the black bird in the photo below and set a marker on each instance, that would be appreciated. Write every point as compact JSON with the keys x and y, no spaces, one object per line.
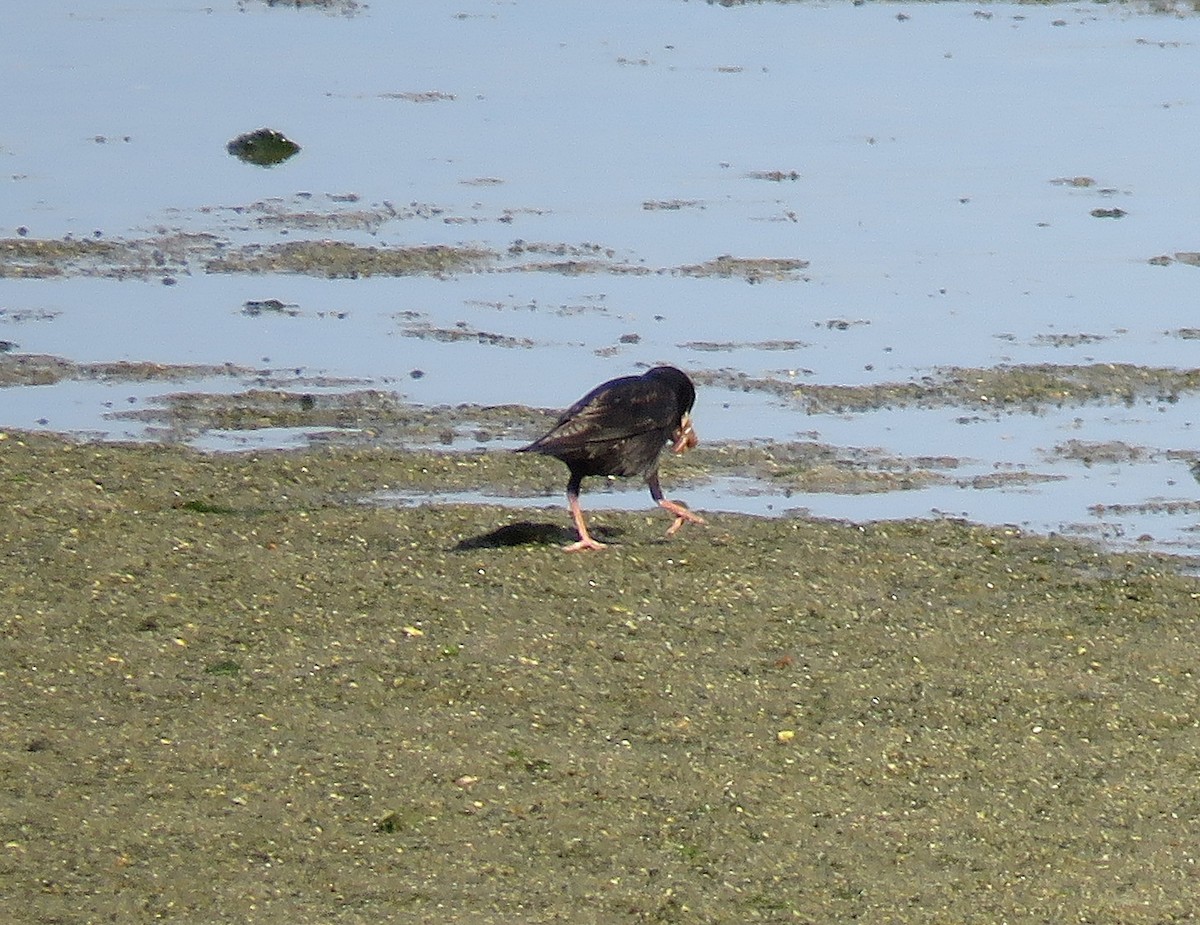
{"x":620,"y":428}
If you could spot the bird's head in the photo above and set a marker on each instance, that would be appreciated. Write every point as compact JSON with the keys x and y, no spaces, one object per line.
{"x":684,"y":437}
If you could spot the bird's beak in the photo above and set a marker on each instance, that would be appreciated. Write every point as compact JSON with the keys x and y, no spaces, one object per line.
{"x":685,"y":436}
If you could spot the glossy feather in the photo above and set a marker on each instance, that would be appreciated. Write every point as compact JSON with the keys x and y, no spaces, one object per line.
{"x":620,"y":428}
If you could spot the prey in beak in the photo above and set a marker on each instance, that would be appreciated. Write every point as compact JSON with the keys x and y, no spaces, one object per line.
{"x":685,"y":436}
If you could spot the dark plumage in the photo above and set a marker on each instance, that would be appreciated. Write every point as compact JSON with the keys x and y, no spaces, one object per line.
{"x":620,"y":428}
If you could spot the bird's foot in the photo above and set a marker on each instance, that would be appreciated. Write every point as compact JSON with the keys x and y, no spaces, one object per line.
{"x":682,"y":515}
{"x":586,"y":543}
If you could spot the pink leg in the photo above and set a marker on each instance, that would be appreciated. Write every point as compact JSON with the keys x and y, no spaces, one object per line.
{"x":682,"y":514}
{"x":585,"y":539}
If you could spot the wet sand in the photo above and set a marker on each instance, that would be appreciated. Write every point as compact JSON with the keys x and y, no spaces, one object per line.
{"x":230,"y":691}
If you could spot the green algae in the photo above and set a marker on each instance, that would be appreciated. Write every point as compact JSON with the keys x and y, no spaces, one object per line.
{"x":230,"y":691}
{"x":339,"y":260}
{"x":1023,"y":388}
{"x":181,"y":253}
{"x":263,"y":148}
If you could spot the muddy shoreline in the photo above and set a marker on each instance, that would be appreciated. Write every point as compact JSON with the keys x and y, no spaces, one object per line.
{"x":288,"y":408}
{"x":308,"y":686}
{"x":231,"y":691}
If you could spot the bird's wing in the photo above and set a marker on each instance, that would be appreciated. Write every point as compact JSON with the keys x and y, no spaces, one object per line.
{"x":615,"y":411}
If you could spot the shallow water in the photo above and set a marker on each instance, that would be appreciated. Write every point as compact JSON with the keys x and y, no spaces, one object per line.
{"x":922,"y":151}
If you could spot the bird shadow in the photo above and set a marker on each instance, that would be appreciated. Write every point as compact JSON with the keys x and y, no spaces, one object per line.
{"x":529,"y":533}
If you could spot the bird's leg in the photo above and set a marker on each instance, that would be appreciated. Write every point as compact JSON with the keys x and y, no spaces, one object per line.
{"x":585,"y":539}
{"x":682,"y":514}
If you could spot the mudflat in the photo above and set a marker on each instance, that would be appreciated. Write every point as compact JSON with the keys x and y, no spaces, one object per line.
{"x":232,"y":691}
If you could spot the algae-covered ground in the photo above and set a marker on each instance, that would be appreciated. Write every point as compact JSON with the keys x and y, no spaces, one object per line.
{"x":165,"y":256}
{"x":229,"y":691}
